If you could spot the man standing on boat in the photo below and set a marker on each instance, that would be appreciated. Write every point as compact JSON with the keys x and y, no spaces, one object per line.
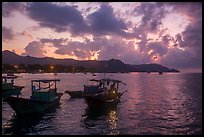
{"x":112,"y":92}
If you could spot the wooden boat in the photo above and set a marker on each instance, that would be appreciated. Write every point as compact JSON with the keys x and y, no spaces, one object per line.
{"x":11,"y":74}
{"x":8,"y":87}
{"x":75,"y":94}
{"x":42,"y":98}
{"x":80,"y":93}
{"x":101,"y":95}
{"x":88,"y":88}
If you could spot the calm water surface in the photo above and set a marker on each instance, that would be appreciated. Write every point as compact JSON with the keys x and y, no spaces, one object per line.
{"x":165,"y":104}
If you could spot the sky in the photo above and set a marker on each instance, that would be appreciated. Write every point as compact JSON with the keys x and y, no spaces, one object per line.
{"x":166,"y":33}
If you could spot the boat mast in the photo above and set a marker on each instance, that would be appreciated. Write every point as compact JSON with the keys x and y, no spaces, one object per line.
{"x":55,"y":86}
{"x":31,"y":85}
{"x":39,"y":85}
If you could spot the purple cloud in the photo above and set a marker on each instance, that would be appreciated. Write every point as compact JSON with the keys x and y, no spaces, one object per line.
{"x":35,"y":49}
{"x":81,"y":50}
{"x":54,"y":42}
{"x":151,"y":22}
{"x":106,"y":49}
{"x":152,"y":14}
{"x":158,"y":48}
{"x":187,"y":45}
{"x":58,"y":18}
{"x":103,"y":21}
{"x":190,"y":39}
{"x":9,"y":7}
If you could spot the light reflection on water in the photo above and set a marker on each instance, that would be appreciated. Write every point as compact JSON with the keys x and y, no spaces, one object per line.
{"x":154,"y":104}
{"x":113,"y":122}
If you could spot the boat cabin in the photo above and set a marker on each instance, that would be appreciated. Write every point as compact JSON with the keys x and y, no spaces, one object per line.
{"x":92,"y":86}
{"x":107,"y":84}
{"x":111,"y":83}
{"x":44,"y":90}
{"x":8,"y":82}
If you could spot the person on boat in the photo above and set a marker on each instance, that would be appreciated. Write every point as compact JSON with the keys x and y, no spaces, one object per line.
{"x":33,"y":88}
{"x":112,"y":91}
{"x":100,"y":84}
{"x":112,"y":87}
{"x":108,"y":82}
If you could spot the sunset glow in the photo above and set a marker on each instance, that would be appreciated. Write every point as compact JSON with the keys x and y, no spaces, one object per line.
{"x":134,"y":32}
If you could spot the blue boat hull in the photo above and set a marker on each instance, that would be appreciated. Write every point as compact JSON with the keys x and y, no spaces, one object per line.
{"x":24,"y":106}
{"x":15,"y":90}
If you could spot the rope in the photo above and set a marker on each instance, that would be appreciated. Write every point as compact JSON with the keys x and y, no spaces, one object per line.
{"x":48,"y":86}
{"x":44,"y":87}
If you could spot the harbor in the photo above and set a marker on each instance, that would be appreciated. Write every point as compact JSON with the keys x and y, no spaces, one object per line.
{"x":101,"y":68}
{"x":139,"y":110}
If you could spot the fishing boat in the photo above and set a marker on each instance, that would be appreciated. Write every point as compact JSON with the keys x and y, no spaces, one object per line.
{"x":42,"y":98}
{"x":8,"y":87}
{"x":11,"y":74}
{"x":102,"y":94}
{"x":91,"y":86}
{"x":75,"y":94}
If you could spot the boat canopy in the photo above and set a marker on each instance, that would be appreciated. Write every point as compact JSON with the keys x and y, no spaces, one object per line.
{"x":39,"y":86}
{"x":9,"y":77}
{"x":45,"y":80}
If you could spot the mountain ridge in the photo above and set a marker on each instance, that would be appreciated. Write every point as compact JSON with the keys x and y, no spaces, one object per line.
{"x":112,"y":65}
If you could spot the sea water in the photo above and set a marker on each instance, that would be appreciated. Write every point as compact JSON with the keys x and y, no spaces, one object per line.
{"x":168,"y":104}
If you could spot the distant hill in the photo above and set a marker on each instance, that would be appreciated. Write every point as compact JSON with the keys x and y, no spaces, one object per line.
{"x":112,"y":65}
{"x":153,"y":68}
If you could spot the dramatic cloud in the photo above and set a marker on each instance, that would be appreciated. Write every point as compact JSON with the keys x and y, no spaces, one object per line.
{"x":7,"y":34}
{"x":166,"y":33}
{"x":152,"y":14}
{"x":81,"y":50}
{"x":158,"y":48}
{"x":103,"y":21}
{"x":100,"y":48}
{"x":151,"y":21}
{"x":190,"y":39}
{"x":58,"y":18}
{"x":192,"y":35}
